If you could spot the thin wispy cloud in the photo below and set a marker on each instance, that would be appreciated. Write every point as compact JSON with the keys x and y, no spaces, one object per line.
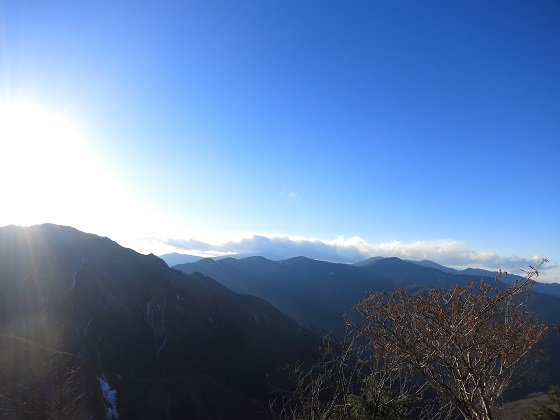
{"x":292,"y":195}
{"x":450,"y":253}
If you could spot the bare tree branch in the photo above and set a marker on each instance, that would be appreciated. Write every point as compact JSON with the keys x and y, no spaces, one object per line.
{"x":466,"y":342}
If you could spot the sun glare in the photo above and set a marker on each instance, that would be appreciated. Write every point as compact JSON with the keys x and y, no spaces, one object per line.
{"x":46,"y":166}
{"x":49,"y":173}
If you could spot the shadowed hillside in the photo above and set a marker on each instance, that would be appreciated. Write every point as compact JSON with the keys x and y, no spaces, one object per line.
{"x":170,"y":344}
{"x":318,"y":292}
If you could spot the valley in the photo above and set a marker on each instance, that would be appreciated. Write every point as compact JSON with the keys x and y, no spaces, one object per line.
{"x":125,"y":335}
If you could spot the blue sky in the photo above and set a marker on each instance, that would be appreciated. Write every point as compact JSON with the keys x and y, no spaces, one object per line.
{"x":417,"y":129}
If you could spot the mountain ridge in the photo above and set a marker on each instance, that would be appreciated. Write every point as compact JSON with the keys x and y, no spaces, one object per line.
{"x":317,"y":293}
{"x":130,"y":316}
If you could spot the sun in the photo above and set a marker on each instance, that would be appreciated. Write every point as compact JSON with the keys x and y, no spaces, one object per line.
{"x":47,"y":170}
{"x":50,"y":172}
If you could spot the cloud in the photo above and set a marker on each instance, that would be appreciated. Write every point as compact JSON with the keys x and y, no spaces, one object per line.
{"x":189,"y":244}
{"x":281,"y":245}
{"x":292,"y":195}
{"x":449,"y":253}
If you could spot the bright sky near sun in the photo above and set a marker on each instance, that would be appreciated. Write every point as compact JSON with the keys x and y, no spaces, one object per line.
{"x":421,"y":129}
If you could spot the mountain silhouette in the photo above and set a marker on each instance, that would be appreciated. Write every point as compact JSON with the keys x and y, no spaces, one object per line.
{"x":170,"y":345}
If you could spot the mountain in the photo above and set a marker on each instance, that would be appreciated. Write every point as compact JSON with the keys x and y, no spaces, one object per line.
{"x":369,"y":261}
{"x":467,"y":271}
{"x":317,"y":292}
{"x":175,"y":258}
{"x":545,"y":288}
{"x":432,"y":264}
{"x":548,"y":288}
{"x":268,"y":255}
{"x":150,"y":341}
{"x":310,"y":291}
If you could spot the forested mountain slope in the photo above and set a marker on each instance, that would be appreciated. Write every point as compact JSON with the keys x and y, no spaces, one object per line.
{"x":171,"y":345}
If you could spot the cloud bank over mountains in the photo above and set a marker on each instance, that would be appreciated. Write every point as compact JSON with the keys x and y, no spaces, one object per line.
{"x":349,"y":250}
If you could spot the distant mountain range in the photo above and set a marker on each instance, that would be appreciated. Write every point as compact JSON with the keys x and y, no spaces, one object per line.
{"x":163,"y":343}
{"x":89,"y":329}
{"x":175,"y":259}
{"x":468,"y":271}
{"x":316,"y":293}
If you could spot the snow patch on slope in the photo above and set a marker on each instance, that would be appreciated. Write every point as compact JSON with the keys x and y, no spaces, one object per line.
{"x":110,"y":398}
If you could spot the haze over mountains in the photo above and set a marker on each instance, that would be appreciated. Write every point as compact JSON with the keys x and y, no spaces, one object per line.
{"x":175,"y":259}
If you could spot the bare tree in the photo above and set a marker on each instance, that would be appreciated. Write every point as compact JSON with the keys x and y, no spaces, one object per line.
{"x":348,"y":382}
{"x":466,"y":342}
{"x":319,"y":391}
